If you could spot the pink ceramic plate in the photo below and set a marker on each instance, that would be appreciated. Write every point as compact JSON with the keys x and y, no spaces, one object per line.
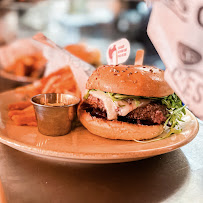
{"x":82,"y":146}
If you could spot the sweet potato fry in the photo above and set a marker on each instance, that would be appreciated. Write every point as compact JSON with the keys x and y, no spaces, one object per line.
{"x":20,"y":69}
{"x":28,"y":60}
{"x":15,"y":112}
{"x":19,"y":105}
{"x":39,"y":62}
{"x":32,"y":124}
{"x":30,"y":90}
{"x":28,"y":109}
{"x":61,"y":81}
{"x":10,"y":68}
{"x":24,"y":119}
{"x":28,"y":65}
{"x":49,"y":87}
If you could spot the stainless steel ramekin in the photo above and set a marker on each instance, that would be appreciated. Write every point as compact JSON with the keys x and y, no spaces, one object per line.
{"x":54,"y":112}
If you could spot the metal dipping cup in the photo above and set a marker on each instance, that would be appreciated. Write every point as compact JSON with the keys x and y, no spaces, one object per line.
{"x":54,"y":112}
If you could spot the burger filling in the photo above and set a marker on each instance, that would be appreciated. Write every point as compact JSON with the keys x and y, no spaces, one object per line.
{"x":126,"y":108}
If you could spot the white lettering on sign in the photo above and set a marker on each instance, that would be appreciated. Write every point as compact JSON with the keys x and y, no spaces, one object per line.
{"x":118,"y":52}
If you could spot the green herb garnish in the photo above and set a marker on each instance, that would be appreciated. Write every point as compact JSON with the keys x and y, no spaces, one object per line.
{"x":87,"y":95}
{"x":176,"y":110}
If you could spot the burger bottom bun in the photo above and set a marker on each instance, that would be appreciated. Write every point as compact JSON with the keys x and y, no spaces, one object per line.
{"x":118,"y":129}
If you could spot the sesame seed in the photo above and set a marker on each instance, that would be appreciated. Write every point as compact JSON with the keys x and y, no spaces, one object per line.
{"x":136,"y":72}
{"x":130,"y":73}
{"x":123,"y":71}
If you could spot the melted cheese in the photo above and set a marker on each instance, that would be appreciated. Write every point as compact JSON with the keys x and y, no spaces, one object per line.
{"x":117,"y":108}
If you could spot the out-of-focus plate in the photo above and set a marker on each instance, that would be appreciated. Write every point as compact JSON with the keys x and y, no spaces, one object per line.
{"x":9,"y":81}
{"x":82,"y":146}
{"x":21,"y":79}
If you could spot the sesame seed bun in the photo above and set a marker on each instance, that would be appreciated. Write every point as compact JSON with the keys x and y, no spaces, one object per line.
{"x":117,"y":129}
{"x":145,"y":81}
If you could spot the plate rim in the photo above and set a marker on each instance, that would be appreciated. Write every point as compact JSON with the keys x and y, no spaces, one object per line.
{"x":90,"y":156}
{"x":12,"y":77}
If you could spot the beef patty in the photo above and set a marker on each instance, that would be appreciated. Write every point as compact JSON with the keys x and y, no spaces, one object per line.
{"x":152,"y":113}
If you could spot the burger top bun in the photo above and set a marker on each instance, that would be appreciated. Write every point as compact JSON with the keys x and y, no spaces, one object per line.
{"x":145,"y":81}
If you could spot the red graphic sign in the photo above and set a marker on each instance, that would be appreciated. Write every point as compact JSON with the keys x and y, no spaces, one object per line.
{"x":118,"y":52}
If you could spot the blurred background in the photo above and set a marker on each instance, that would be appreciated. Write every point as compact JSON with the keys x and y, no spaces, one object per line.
{"x":96,"y":23}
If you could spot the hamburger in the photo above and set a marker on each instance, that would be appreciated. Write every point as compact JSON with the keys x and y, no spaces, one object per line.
{"x":129,"y":102}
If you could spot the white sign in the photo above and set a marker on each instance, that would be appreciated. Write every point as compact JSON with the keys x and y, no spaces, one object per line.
{"x":118,"y":52}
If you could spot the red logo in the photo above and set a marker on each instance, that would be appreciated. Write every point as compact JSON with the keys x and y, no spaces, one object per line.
{"x":111,"y":50}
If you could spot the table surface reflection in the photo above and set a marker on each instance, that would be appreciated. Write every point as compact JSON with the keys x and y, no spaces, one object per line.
{"x":173,"y":177}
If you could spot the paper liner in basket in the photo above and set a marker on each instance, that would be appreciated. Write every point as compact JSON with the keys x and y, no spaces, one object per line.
{"x":58,"y":57}
{"x":17,"y":49}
